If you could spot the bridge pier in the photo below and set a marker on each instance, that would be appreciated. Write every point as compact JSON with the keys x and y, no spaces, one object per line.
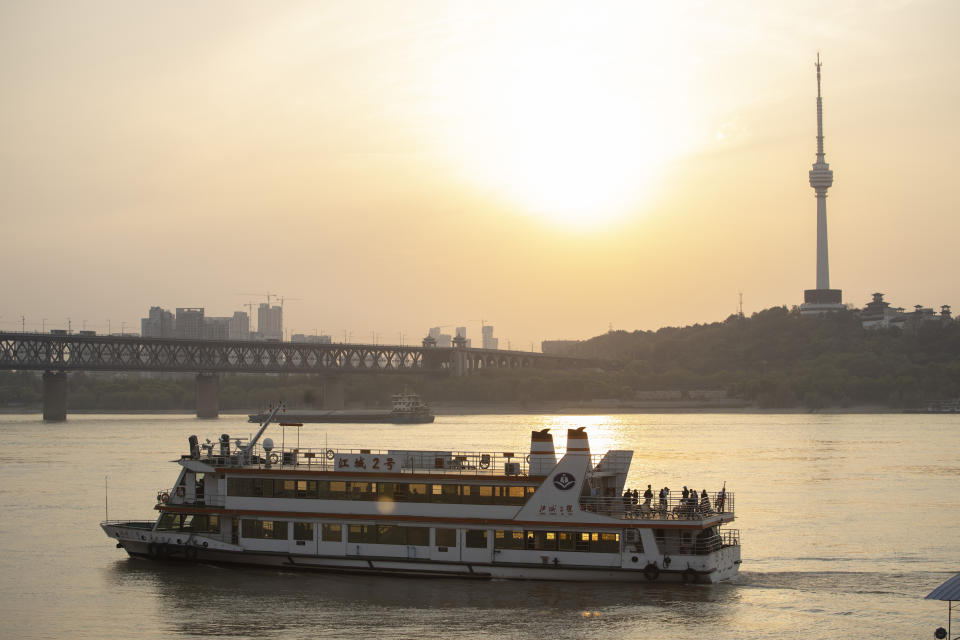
{"x":208,"y":395}
{"x":55,"y":396}
{"x":333,"y":395}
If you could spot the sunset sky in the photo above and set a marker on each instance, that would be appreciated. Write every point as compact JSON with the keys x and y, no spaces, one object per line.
{"x":551,"y":168}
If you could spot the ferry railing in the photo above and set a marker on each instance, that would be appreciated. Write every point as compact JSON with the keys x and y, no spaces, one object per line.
{"x":673,"y":508}
{"x":730,"y":537}
{"x":493,"y":463}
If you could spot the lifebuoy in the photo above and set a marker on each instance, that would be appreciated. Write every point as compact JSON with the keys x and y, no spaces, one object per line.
{"x":651,"y":572}
{"x":528,"y":458}
{"x":181,"y":492}
{"x":163,"y":496}
{"x":274,"y":458}
{"x":330,"y":454}
{"x":484,"y":464}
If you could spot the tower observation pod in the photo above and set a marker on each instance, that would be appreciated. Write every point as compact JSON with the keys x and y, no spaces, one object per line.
{"x":823,"y":298}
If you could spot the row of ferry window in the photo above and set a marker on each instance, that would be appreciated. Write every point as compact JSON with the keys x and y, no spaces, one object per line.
{"x":420,"y":536}
{"x":393,"y":491}
{"x":393,"y":534}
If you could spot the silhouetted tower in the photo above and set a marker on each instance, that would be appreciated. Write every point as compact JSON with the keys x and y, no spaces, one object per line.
{"x":823,"y":298}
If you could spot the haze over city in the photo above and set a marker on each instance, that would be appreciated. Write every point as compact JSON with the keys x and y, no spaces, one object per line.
{"x":552,"y":169}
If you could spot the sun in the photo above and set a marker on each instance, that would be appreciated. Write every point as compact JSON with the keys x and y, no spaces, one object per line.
{"x":559,"y":114}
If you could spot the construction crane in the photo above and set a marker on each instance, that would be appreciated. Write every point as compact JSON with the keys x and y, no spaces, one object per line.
{"x":266,"y":295}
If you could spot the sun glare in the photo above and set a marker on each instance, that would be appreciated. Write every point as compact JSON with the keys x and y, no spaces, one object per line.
{"x":563,"y":115}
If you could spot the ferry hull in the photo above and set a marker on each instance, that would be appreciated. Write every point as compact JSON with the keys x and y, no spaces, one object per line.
{"x":138,"y":543}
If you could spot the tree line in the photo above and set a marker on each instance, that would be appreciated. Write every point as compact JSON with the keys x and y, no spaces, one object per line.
{"x":775,"y":358}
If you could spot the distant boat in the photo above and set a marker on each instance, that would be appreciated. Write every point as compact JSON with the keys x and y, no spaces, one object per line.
{"x":408,"y":408}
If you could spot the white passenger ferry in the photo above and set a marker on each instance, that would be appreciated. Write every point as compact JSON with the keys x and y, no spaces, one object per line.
{"x":436,"y":513}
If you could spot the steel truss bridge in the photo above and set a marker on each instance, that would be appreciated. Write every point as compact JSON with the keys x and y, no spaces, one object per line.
{"x":46,"y":352}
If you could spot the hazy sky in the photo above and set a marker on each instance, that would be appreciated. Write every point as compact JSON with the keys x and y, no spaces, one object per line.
{"x":550,"y":168}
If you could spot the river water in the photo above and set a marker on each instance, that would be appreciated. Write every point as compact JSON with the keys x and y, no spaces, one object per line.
{"x":847,"y":522}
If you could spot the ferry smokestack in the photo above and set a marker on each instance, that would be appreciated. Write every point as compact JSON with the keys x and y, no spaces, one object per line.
{"x":542,"y":455}
{"x":194,"y":447}
{"x":577,"y":441}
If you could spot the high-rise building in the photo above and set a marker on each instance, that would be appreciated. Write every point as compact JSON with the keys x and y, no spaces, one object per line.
{"x":823,"y":298}
{"x":239,"y":326}
{"x":270,"y":321}
{"x":489,"y":342}
{"x":216,"y":328}
{"x":159,"y":323}
{"x":189,"y":323}
{"x":442,"y":339}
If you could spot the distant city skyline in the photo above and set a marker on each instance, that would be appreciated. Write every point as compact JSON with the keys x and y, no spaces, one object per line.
{"x":552,"y":169}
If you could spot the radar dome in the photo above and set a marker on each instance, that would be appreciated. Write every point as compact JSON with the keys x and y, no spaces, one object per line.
{"x":268,"y":444}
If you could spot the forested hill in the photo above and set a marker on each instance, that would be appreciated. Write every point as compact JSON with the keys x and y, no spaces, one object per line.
{"x":778,"y":358}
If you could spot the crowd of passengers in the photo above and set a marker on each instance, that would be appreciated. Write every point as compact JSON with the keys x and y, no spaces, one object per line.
{"x":691,"y":504}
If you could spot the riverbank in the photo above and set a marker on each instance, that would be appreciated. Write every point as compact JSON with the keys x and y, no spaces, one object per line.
{"x":506,"y":408}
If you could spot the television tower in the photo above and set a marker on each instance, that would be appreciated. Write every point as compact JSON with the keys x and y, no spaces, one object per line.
{"x":823,"y":298}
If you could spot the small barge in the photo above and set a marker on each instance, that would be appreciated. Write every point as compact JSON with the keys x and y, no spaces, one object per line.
{"x":408,"y":408}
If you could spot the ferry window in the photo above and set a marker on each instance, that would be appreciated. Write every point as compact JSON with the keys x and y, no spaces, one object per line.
{"x":169,"y":521}
{"x":477,"y":538}
{"x":303,"y":531}
{"x":508,"y":539}
{"x":307,"y":489}
{"x":546,"y":540}
{"x":583,"y":542}
{"x":477,"y":495}
{"x":605,"y":543}
{"x":361,"y":533}
{"x":516,"y":540}
{"x":499,"y":539}
{"x":288,"y":490}
{"x":516,"y":492}
{"x":267,"y":529}
{"x":446,"y":493}
{"x":418,"y":493}
{"x":362,"y":490}
{"x":446,"y":537}
{"x":331,"y":533}
{"x":530,"y":491}
{"x":388,"y":534}
{"x":338,"y":490}
{"x":386,"y":490}
{"x":419,"y":536}
{"x":565,"y":541}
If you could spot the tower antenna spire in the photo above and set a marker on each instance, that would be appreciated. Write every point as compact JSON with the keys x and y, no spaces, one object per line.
{"x":820,"y":158}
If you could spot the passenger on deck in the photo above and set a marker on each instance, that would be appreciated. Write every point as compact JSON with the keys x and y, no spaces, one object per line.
{"x":647,"y":496}
{"x":636,"y":498}
{"x":627,"y":496}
